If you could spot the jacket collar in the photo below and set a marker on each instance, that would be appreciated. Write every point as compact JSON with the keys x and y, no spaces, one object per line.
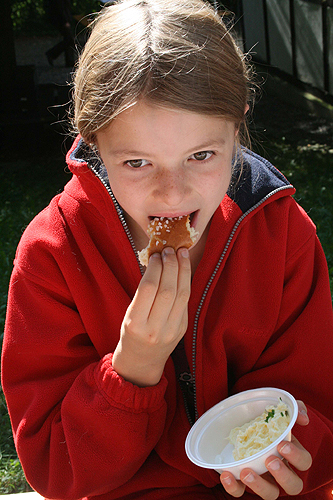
{"x":254,"y":180}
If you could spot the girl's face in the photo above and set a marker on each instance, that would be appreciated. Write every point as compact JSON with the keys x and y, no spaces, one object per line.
{"x":165,"y":162}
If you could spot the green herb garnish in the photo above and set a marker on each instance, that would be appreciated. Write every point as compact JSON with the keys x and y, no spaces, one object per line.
{"x":270,"y":414}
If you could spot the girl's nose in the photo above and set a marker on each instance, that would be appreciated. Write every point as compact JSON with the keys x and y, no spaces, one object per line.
{"x":171,"y":187}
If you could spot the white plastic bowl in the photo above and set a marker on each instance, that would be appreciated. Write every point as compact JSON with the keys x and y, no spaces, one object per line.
{"x":207,"y":437}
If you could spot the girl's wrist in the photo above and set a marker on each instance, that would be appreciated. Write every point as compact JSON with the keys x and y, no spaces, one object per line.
{"x":138,"y":372}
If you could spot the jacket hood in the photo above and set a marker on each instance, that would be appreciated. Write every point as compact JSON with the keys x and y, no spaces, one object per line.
{"x":253,"y":181}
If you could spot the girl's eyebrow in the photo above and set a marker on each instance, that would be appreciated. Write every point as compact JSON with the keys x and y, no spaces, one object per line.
{"x":208,"y":145}
{"x":142,"y":154}
{"x":127,"y":152}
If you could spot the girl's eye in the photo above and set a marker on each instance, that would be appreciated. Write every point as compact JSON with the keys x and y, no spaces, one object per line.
{"x":137,"y":163}
{"x":201,"y":155}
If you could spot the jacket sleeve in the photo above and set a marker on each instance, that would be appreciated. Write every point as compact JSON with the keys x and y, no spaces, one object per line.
{"x":79,"y":428}
{"x":299,"y":355}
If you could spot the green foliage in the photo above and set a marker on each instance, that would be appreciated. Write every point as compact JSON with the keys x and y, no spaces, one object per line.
{"x":27,"y":13}
{"x":6,"y":439}
{"x":29,"y":17}
{"x":12,"y":479}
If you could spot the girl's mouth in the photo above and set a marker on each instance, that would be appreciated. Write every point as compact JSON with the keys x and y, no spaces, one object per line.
{"x":193,"y":217}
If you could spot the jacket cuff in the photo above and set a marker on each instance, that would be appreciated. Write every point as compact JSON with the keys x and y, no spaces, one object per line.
{"x":125,"y":395}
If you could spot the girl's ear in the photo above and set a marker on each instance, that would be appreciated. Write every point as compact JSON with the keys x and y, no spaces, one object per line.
{"x":94,"y":143}
{"x":237,"y":126}
{"x":236,"y":130}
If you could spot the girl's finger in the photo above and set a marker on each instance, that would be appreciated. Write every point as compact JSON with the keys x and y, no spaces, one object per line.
{"x":231,"y":486}
{"x":295,"y":454}
{"x":267,"y":490}
{"x":284,"y":476}
{"x":146,"y":293}
{"x":183,"y":287}
{"x":302,"y":417}
{"x":167,"y":289}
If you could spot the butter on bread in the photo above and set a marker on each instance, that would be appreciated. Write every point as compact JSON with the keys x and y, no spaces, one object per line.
{"x":174,"y":232}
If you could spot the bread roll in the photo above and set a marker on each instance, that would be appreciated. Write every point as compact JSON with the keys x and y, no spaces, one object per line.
{"x":174,"y":232}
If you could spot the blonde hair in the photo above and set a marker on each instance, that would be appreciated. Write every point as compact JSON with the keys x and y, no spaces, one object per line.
{"x":174,"y":53}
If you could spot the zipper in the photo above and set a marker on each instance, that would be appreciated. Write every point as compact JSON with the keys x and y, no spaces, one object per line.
{"x":120,"y":214}
{"x":187,"y":410}
{"x":210,"y":281}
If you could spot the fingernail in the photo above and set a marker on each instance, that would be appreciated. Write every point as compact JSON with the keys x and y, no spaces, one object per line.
{"x":285,"y":450}
{"x":249,"y":478}
{"x":304,"y":412}
{"x":168,"y":251}
{"x":155,"y":255}
{"x":226,"y":480}
{"x":274,"y":464}
{"x":184,"y":253}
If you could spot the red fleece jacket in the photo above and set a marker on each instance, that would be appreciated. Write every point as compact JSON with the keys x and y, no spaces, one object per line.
{"x":260,"y":314}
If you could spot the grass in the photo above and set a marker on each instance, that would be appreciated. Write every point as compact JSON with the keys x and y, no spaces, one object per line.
{"x":12,"y":479}
{"x":29,"y":181}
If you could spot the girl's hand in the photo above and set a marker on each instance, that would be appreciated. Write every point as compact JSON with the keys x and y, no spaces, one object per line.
{"x":156,"y":319}
{"x":267,"y":485}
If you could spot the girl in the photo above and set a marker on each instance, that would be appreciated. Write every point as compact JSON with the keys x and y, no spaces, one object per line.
{"x":105,"y":366}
